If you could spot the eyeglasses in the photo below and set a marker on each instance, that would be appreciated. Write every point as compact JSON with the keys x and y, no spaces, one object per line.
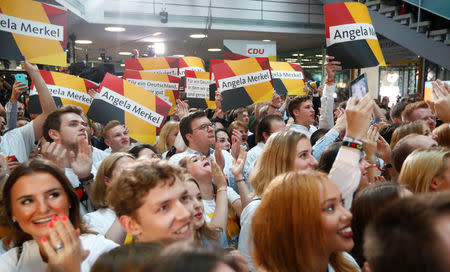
{"x":205,"y":127}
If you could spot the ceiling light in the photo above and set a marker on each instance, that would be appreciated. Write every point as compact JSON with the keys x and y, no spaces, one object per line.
{"x":157,"y":33}
{"x":295,"y":55}
{"x":122,"y":64}
{"x":301,"y":55}
{"x":198,"y":36}
{"x":99,"y":58}
{"x":180,"y":56}
{"x":115,"y":29}
{"x":152,"y":39}
{"x":266,"y":40}
{"x":160,"y":48}
{"x":125,"y":53}
{"x":145,"y":55}
{"x":319,"y":56}
{"x":83,"y":42}
{"x":214,"y":49}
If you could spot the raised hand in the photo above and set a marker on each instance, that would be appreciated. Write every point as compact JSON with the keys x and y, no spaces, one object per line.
{"x":441,"y":100}
{"x":182,"y":109}
{"x":30,"y":68}
{"x":331,"y":67}
{"x":63,"y":246}
{"x":18,"y":88}
{"x":370,"y":142}
{"x":81,"y":162}
{"x":56,"y":153}
{"x":358,"y":115}
{"x":218,"y":99}
{"x":236,"y":142}
{"x":217,"y":175}
{"x":238,"y":164}
{"x":218,"y":155}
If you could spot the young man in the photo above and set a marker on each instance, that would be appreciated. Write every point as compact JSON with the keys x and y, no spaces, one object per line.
{"x":419,"y":111}
{"x":20,"y":142}
{"x":151,"y":202}
{"x":197,"y":132}
{"x":302,"y":110}
{"x":413,"y":234}
{"x":116,"y":136}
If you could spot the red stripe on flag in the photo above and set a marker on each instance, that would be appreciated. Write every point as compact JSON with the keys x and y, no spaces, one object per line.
{"x":48,"y":77}
{"x":213,"y":62}
{"x":174,"y":79}
{"x":131,"y":74}
{"x":113,"y":83}
{"x":223,"y":70}
{"x":264,"y":63}
{"x":182,"y":63}
{"x":189,"y":73}
{"x":336,"y":14}
{"x":133,"y":64}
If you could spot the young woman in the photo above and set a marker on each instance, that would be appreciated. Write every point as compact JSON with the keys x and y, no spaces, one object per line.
{"x":167,"y":136}
{"x":204,"y":173}
{"x":104,"y":220}
{"x":314,"y":233}
{"x":44,"y":214}
{"x":143,"y":150}
{"x":284,"y":151}
{"x":223,"y":139}
{"x":427,"y":170}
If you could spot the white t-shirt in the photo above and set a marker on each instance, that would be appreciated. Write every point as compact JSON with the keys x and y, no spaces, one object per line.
{"x":210,"y":205}
{"x":31,"y":260}
{"x":98,"y":156}
{"x":100,"y":221}
{"x":245,"y":236}
{"x":18,"y":142}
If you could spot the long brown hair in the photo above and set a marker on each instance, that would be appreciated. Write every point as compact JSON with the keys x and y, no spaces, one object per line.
{"x":297,"y":236}
{"x":17,"y":236}
{"x":277,"y":157}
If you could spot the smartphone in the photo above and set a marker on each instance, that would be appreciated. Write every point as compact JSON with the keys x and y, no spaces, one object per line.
{"x":22,"y":78}
{"x":359,"y":87}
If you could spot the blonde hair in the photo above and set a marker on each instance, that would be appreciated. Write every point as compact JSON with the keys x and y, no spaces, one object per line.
{"x":421,"y":166}
{"x":277,"y":157}
{"x":161,"y":145}
{"x":406,"y":129}
{"x":110,"y":125}
{"x":98,"y":191}
{"x":442,"y":133}
{"x":297,"y":237}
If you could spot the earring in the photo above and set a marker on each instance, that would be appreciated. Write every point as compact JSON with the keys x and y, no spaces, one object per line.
{"x":14,"y":220}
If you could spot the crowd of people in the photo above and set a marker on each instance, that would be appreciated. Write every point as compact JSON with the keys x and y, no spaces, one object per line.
{"x":276,"y":186}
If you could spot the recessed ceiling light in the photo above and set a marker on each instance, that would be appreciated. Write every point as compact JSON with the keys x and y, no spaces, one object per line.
{"x":319,"y":56}
{"x":125,"y":53}
{"x":295,"y":55}
{"x":83,"y":42}
{"x":122,"y":64}
{"x":115,"y":29}
{"x":214,"y":49}
{"x":99,"y":58}
{"x":180,"y":56}
{"x":198,"y":36}
{"x":152,"y":39}
{"x":266,"y":40}
{"x":157,"y":33}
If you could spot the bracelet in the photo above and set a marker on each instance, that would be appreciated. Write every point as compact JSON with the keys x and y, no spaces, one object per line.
{"x":329,"y":81}
{"x":353,"y":142}
{"x":86,"y":179}
{"x":222,"y":189}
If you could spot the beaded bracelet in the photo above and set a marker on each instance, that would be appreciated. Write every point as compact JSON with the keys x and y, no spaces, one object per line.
{"x":222,"y":189}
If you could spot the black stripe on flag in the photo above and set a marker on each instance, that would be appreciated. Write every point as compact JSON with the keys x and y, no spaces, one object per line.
{"x":35,"y":107}
{"x":353,"y":54}
{"x":198,"y":103}
{"x":235,"y":98}
{"x":8,"y":47}
{"x":103,"y":112}
{"x":279,"y":86}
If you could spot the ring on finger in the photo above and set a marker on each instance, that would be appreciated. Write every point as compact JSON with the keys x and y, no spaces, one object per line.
{"x":59,"y":247}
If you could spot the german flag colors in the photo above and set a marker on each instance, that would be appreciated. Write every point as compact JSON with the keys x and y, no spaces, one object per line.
{"x":163,"y":85}
{"x":65,"y":89}
{"x":197,"y":90}
{"x":351,"y":37}
{"x":32,"y":29}
{"x":137,"y":108}
{"x":288,"y":78}
{"x":161,"y":65}
{"x":190,"y":63}
{"x":243,"y":82}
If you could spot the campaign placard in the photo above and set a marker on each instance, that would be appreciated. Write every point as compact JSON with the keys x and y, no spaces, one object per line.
{"x":160,"y":65}
{"x":288,"y":78}
{"x":351,"y":37}
{"x":163,"y":85}
{"x":192,"y":64}
{"x":243,"y":82}
{"x":197,"y":86}
{"x":140,"y":110}
{"x":66,"y":90}
{"x":33,"y":29}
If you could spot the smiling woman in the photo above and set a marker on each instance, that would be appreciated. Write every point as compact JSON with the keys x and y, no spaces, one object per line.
{"x":43,"y":209}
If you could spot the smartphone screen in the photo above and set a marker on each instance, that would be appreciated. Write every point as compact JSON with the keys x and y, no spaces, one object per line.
{"x":359,"y":86}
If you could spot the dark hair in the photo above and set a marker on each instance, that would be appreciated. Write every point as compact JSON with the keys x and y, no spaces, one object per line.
{"x":186,"y":122}
{"x":317,"y":135}
{"x":403,"y":236}
{"x":328,"y":156}
{"x":126,"y":258}
{"x":53,"y":120}
{"x":265,"y":125}
{"x":387,"y":131}
{"x":220,"y":120}
{"x":396,"y":110}
{"x":138,"y":148}
{"x":182,"y":257}
{"x":366,"y":204}
{"x":17,"y":236}
{"x":222,"y":130}
{"x":296,"y":102}
{"x":401,"y":150}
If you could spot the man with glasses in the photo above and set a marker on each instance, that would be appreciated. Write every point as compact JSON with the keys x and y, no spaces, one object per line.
{"x":197,"y":132}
